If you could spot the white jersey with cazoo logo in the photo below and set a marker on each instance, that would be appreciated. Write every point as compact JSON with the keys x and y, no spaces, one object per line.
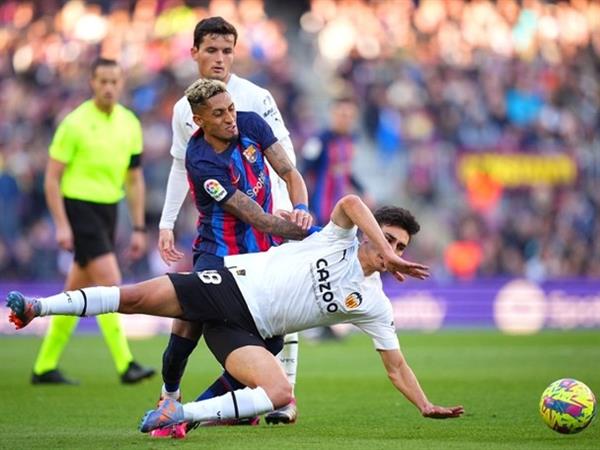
{"x":312,"y":283}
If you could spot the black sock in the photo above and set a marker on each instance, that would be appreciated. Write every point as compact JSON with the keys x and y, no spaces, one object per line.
{"x":175,"y":359}
{"x":225,"y":383}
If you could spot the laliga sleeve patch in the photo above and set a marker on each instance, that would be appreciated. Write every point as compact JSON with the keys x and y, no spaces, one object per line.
{"x":215,"y":190}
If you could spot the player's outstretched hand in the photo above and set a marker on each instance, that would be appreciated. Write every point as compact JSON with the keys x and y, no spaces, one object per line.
{"x":400,"y":267}
{"x":166,"y":247}
{"x":442,"y":412}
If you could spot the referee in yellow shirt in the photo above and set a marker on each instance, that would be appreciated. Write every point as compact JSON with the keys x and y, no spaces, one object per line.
{"x":94,"y":154}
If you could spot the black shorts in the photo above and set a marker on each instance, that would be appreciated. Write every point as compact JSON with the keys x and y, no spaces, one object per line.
{"x":93,"y":226}
{"x":220,"y":306}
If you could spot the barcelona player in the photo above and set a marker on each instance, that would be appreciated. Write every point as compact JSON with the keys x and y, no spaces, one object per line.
{"x":213,"y":51}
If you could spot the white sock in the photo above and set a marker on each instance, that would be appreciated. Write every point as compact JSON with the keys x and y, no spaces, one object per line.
{"x":166,"y":394}
{"x":250,"y":403}
{"x":288,"y":357}
{"x":83,"y":302}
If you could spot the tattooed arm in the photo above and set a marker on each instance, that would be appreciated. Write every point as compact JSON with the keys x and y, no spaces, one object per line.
{"x":246,"y":209}
{"x":285,"y":169}
{"x":296,"y":187}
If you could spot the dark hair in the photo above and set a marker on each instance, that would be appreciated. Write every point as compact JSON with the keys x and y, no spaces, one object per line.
{"x":103,"y":62}
{"x":397,"y":217}
{"x":213,"y":25}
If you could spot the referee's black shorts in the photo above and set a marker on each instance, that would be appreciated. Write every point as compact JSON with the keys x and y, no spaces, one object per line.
{"x":93,"y":226}
{"x":218,"y":303}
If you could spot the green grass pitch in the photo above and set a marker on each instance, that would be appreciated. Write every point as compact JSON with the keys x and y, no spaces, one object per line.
{"x":344,"y":397}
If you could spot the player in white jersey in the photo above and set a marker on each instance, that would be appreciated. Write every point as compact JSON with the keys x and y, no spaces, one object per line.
{"x":213,"y":51}
{"x":325,"y":279}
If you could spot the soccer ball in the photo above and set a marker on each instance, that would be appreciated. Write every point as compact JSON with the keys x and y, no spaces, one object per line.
{"x":568,"y":406}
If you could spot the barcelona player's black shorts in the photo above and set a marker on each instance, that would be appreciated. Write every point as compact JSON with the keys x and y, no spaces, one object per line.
{"x":93,"y":226}
{"x":213,"y":298}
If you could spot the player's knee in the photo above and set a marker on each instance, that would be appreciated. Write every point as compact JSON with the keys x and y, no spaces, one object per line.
{"x":280,"y":394}
{"x":131,"y":301}
{"x":187,"y":330}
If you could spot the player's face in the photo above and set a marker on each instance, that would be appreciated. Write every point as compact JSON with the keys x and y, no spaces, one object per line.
{"x":397,"y":237}
{"x":214,"y":56}
{"x":107,"y":83}
{"x":218,"y":118}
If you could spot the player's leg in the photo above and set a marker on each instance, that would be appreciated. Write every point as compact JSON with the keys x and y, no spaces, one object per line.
{"x":256,"y":368}
{"x":227,"y":382}
{"x":289,"y":357}
{"x":104,"y":270}
{"x":182,"y":341}
{"x":267,"y":388}
{"x":184,"y":338}
{"x":289,"y":360}
{"x":154,"y":297}
{"x":60,"y":330}
{"x":102,"y":267}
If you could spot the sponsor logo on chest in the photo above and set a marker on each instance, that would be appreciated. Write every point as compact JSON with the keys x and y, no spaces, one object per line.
{"x":260,"y":183}
{"x":324,"y":290}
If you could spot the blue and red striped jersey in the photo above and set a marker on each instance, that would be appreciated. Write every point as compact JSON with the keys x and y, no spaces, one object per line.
{"x":214,"y":177}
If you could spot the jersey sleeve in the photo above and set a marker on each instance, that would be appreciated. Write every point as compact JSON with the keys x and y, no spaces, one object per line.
{"x":266,"y":107}
{"x":382,"y":331}
{"x":384,"y":337}
{"x":64,"y":142}
{"x":335,"y":233}
{"x":137,"y":138}
{"x":259,"y":129}
{"x":215,"y":182}
{"x":177,"y":189}
{"x":181,"y":135}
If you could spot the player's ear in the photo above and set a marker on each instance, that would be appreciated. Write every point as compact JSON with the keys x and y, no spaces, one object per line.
{"x":197,"y":120}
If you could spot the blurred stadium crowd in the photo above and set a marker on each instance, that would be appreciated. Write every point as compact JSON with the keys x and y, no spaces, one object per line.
{"x":451,"y":93}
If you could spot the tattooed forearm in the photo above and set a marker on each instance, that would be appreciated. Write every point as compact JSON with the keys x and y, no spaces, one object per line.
{"x":242,"y":206}
{"x":279,"y":227}
{"x":279,"y":160}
